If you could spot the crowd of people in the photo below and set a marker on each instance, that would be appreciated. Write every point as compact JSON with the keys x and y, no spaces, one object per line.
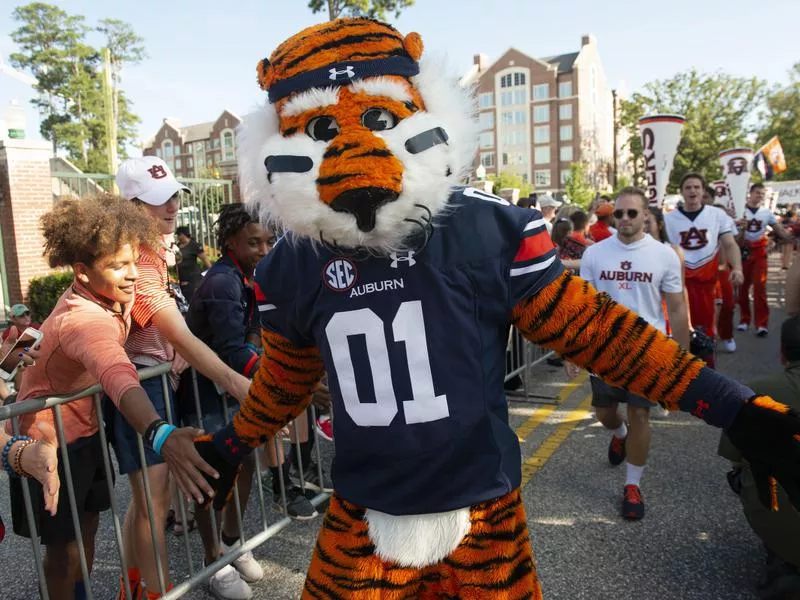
{"x":138,"y":301}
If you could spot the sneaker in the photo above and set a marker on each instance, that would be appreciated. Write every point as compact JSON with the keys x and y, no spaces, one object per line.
{"x":729,"y":345}
{"x":324,"y":427}
{"x":616,"y":450}
{"x":743,"y":326}
{"x":312,"y":481}
{"x":248,"y":567}
{"x":226,"y":584}
{"x":298,"y":507}
{"x":762,"y":332}
{"x":137,"y":590}
{"x":632,"y":503}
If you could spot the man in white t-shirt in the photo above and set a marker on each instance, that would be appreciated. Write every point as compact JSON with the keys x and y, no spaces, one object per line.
{"x":636,"y":271}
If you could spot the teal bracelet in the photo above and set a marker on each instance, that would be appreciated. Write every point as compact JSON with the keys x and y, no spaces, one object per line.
{"x":161,"y":436}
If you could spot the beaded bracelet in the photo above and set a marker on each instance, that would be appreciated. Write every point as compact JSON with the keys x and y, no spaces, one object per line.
{"x":7,"y":449}
{"x":18,"y":457}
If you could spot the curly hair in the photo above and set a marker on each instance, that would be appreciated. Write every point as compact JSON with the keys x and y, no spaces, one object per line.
{"x":81,"y":231}
{"x":232,"y":219}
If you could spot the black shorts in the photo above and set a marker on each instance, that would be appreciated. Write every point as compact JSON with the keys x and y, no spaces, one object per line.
{"x":606,"y":395}
{"x":92,"y":494}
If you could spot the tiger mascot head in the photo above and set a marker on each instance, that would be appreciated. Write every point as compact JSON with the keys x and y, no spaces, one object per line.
{"x":360,"y":140}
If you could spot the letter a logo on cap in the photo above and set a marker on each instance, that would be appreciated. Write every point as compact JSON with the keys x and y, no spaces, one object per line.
{"x":157,"y":172}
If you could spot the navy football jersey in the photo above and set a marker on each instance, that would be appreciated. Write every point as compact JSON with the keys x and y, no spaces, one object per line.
{"x":414,"y":347}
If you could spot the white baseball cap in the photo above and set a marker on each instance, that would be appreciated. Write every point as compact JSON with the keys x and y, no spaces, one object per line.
{"x":547,"y":200}
{"x":149,"y":179}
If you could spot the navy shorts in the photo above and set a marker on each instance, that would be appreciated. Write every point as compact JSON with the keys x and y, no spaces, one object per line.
{"x":606,"y":395}
{"x":123,"y":437}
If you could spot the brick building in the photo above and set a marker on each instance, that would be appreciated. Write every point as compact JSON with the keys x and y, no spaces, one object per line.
{"x":539,"y":115}
{"x":205,"y":150}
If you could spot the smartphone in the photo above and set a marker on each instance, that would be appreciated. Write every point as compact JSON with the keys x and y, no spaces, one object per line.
{"x":30,"y":338}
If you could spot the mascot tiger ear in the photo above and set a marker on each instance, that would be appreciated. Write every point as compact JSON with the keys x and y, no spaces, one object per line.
{"x":413,"y":45}
{"x":266,"y":74}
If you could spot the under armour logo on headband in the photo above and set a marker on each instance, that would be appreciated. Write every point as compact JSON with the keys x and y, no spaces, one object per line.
{"x":348,"y":71}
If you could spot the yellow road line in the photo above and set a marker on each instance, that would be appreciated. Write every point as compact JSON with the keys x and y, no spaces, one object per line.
{"x":543,"y":453}
{"x":541,"y":414}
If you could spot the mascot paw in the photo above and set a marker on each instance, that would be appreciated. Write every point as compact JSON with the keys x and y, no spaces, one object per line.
{"x":767,"y":434}
{"x":228,"y":471}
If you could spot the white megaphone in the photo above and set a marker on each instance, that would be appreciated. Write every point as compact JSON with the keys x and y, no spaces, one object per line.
{"x":722,"y":195}
{"x":661,"y":135}
{"x":735,"y":165}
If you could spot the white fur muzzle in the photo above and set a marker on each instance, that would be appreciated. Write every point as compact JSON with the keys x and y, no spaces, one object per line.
{"x":417,"y":540}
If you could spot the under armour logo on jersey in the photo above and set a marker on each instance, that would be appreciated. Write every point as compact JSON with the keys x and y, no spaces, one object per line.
{"x":694,"y":239}
{"x":347,"y":71}
{"x":398,"y":257}
{"x":157,"y":172}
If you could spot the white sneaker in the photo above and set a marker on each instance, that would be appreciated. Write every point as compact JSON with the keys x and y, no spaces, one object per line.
{"x":762,"y":332}
{"x":248,"y":567}
{"x":729,"y":345}
{"x":743,"y":326}
{"x":226,"y":584}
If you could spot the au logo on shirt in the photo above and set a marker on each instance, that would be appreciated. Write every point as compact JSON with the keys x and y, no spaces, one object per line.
{"x":694,"y":238}
{"x":339,"y":274}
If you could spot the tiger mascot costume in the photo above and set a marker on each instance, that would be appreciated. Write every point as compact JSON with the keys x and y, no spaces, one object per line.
{"x":401,"y":285}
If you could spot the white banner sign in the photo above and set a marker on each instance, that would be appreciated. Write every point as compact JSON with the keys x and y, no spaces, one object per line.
{"x":788,"y":192}
{"x":661,"y":135}
{"x":735,"y":165}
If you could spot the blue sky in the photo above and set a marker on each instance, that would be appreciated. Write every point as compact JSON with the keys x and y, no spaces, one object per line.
{"x":202,"y":60}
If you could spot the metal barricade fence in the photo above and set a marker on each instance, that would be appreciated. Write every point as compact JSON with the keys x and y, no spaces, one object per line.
{"x":194,"y":577}
{"x":521,"y":356}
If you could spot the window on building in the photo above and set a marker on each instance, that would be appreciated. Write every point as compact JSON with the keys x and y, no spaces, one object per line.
{"x":519,"y":117}
{"x":565,"y":89}
{"x":487,"y":159}
{"x":541,"y":134}
{"x":487,"y":139}
{"x":565,"y":112}
{"x":505,"y":81}
{"x":565,"y":175}
{"x":541,"y":91}
{"x":188,"y":148}
{"x":190,"y":162}
{"x":541,"y":114}
{"x":541,"y":155}
{"x":158,"y":153}
{"x":520,"y":97}
{"x":486,"y":120}
{"x":565,"y":133}
{"x":505,"y":158}
{"x":177,"y":163}
{"x":209,"y":162}
{"x":565,"y":153}
{"x":486,"y":99}
{"x":167,"y":148}
{"x":506,"y":98}
{"x":507,"y":118}
{"x":228,"y":148}
{"x":519,"y":78}
{"x":216,"y":142}
{"x":541,"y":177}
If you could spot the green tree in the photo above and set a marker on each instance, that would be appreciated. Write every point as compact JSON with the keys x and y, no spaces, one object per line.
{"x":52,"y":46}
{"x":577,"y":187}
{"x":783,"y":120}
{"x":375,"y":9}
{"x":720,"y":112}
{"x":509,"y":179}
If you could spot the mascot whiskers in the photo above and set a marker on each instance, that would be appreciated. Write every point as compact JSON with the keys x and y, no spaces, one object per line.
{"x":401,"y":285}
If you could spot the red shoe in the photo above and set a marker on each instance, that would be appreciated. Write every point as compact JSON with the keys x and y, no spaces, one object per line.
{"x":616,"y":450}
{"x":632,"y":503}
{"x":137,"y":589}
{"x":324,"y":427}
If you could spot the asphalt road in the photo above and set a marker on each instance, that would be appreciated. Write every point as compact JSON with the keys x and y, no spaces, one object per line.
{"x":693,"y":543}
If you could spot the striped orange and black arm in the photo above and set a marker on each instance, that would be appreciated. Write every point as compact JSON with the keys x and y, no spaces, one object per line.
{"x":591,"y":330}
{"x":282,"y":387}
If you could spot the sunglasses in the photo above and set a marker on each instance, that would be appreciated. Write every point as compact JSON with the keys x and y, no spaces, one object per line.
{"x":632,"y":213}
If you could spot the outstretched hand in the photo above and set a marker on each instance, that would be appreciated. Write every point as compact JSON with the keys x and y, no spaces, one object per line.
{"x":767,"y":434}
{"x":40,"y":461}
{"x":192,"y":473}
{"x":220,"y":488}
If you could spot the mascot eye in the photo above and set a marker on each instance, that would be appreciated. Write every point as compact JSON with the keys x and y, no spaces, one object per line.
{"x":322,"y":129}
{"x":378,"y":119}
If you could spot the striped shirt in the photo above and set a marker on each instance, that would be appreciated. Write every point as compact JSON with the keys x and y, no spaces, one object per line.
{"x":146,"y":346}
